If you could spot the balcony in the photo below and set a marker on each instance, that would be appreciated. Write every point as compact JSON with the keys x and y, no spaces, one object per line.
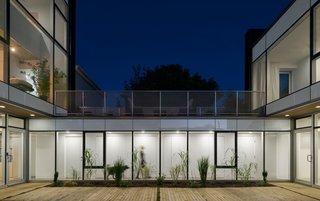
{"x":159,"y":103}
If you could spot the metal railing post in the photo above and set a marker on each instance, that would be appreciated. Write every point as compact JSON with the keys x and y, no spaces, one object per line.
{"x":82,"y":94}
{"x":188,"y":106}
{"x":104,"y":102}
{"x":215,"y":103}
{"x":160,"y":104}
{"x":132,"y":103}
{"x":237,"y":103}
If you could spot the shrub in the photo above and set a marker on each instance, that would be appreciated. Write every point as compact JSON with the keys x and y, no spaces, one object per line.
{"x":55,"y":177}
{"x":194,"y":184}
{"x":160,"y":180}
{"x":265,"y":175}
{"x":175,"y":172}
{"x":119,"y":168}
{"x":203,"y":165}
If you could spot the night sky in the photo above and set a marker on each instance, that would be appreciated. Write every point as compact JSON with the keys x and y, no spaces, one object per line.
{"x":206,"y":36}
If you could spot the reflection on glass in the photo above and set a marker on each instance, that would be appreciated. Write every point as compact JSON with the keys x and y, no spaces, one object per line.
{"x":15,"y":155}
{"x":316,"y":70}
{"x":174,"y":154}
{"x":3,"y":61}
{"x":61,"y":29}
{"x":30,"y":57}
{"x":146,"y":155}
{"x":201,"y":144}
{"x":42,"y":159}
{"x":277,"y":155}
{"x":226,"y":149}
{"x":69,"y":155}
{"x":118,"y":146}
{"x":63,"y":7}
{"x":42,"y":11}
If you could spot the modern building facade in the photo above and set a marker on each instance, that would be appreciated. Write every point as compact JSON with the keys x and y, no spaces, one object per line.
{"x":273,"y":127}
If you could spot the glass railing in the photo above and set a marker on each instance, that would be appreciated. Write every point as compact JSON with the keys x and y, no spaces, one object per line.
{"x":159,"y":103}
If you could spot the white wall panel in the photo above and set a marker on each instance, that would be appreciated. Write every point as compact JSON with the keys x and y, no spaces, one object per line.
{"x":119,"y":124}
{"x":42,"y":124}
{"x":94,"y":125}
{"x":259,"y":48}
{"x":254,"y":124}
{"x":174,"y":124}
{"x":201,"y":124}
{"x":287,"y":20}
{"x":147,"y":124}
{"x":226,"y":124}
{"x":277,"y":125}
{"x":69,"y":124}
{"x":3,"y":90}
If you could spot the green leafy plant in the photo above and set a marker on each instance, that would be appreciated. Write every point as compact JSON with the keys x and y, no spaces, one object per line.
{"x":90,"y":161}
{"x":212,"y":171}
{"x":203,"y":165}
{"x":41,"y":78}
{"x":194,"y":184}
{"x":124,"y":184}
{"x":265,"y":175}
{"x":71,"y":183}
{"x":59,"y":79}
{"x":160,"y":180}
{"x":244,"y":173}
{"x":175,"y":172}
{"x":183,"y":163}
{"x":119,"y":168}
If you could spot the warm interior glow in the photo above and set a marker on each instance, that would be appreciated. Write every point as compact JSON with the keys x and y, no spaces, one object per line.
{"x":2,"y":106}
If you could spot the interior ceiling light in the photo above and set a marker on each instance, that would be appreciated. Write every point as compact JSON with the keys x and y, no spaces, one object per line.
{"x":318,"y":107}
{"x":32,"y":115}
{"x":12,"y":49}
{"x":2,"y":106}
{"x":287,"y":115}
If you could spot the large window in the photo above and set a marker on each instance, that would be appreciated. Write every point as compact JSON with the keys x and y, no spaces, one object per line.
{"x":174,"y":154}
{"x":118,"y":146}
{"x":42,"y":155}
{"x":60,"y":69}
{"x":291,"y":54}
{"x":2,"y":18}
{"x":3,"y":62}
{"x":69,"y":155}
{"x":30,"y":56}
{"x":317,"y":30}
{"x":146,"y":155}
{"x":277,"y":155}
{"x":316,"y":70}
{"x":42,"y":11}
{"x":60,"y":29}
{"x":317,"y":156}
{"x":93,"y":156}
{"x":250,"y":162}
{"x":201,"y":144}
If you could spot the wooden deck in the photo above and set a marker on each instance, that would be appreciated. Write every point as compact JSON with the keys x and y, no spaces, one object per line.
{"x":282,"y":191}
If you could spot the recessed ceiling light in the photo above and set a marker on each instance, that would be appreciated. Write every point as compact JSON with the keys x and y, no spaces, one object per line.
{"x":210,"y":131}
{"x":2,"y":106}
{"x":32,"y":115}
{"x":143,"y":132}
{"x":2,"y":115}
{"x":318,"y":107}
{"x":287,"y":115}
{"x":13,"y":49}
{"x":177,"y":131}
{"x":109,"y":132}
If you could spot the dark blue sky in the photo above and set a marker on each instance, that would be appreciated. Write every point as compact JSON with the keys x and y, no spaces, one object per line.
{"x":206,"y":36}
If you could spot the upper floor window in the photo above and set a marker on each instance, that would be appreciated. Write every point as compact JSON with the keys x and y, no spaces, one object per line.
{"x":284,"y":84}
{"x":317,"y":30}
{"x":42,"y":11}
{"x":290,"y":54}
{"x":2,"y":17}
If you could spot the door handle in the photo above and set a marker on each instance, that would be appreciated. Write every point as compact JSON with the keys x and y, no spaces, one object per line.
{"x":309,"y":158}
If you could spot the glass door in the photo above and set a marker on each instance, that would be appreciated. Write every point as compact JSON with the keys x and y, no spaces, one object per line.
{"x":15,"y":155}
{"x":303,"y":155}
{"x":226,"y":155}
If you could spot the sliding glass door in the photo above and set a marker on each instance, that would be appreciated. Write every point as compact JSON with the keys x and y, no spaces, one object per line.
{"x":15,"y":155}
{"x":303,"y":156}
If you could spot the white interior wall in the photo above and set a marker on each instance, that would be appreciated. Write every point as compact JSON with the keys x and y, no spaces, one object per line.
{"x":94,"y":143}
{"x":172,"y":144}
{"x":302,"y":151}
{"x":1,"y":62}
{"x":301,"y":75}
{"x":201,"y":144}
{"x":150,"y":142}
{"x":118,"y":146}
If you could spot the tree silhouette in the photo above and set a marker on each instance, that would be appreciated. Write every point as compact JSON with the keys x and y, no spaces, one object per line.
{"x":168,"y":77}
